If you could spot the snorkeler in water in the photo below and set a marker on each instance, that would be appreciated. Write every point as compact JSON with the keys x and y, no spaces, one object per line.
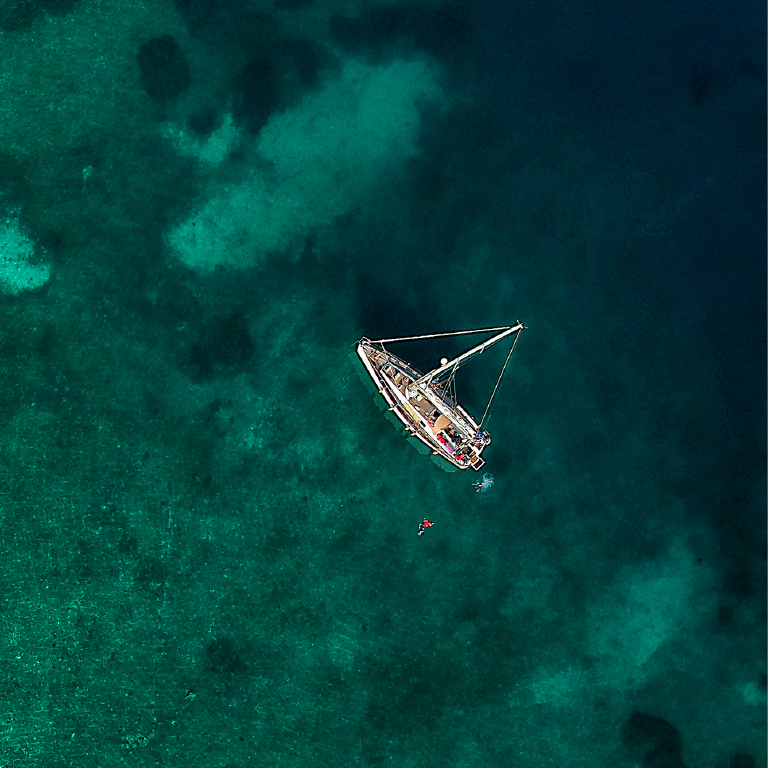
{"x":423,"y":525}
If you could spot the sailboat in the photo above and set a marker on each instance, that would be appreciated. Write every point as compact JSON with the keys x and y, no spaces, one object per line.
{"x":425,"y":404}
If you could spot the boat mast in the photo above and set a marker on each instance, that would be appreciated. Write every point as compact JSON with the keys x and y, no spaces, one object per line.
{"x":422,"y":385}
{"x":427,"y":377}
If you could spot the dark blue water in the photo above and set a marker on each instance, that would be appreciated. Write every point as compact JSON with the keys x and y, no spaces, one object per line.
{"x":209,"y":530}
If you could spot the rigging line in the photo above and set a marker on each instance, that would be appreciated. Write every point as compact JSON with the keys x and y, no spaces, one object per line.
{"x":501,"y":375}
{"x":452,"y":383}
{"x":440,"y":335}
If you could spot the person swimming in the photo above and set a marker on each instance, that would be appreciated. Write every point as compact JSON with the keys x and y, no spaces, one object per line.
{"x":484,"y":485}
{"x":423,"y":525}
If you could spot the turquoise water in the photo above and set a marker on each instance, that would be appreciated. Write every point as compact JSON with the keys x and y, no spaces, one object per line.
{"x":209,"y":551}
